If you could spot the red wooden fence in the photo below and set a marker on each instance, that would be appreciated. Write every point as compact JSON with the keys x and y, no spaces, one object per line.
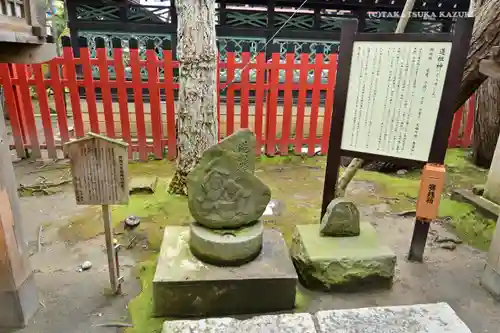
{"x":286,"y":109}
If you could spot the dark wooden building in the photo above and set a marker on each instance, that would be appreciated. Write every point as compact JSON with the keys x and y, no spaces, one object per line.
{"x":250,"y":24}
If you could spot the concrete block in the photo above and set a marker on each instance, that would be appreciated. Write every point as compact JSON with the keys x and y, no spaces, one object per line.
{"x":420,"y":318}
{"x":486,"y":207}
{"x":290,"y":323}
{"x":184,"y":286}
{"x":18,"y":306}
{"x":490,"y":280}
{"x":342,"y":263}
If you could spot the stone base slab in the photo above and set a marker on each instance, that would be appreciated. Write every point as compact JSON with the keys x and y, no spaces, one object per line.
{"x":18,"y":306}
{"x":342,"y":263}
{"x":491,"y":281}
{"x":184,"y":286}
{"x":486,"y":207}
{"x":423,"y":318}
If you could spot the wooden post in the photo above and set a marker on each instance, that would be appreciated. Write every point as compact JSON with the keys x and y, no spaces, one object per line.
{"x":110,"y":248}
{"x":18,"y":294}
{"x":461,"y":39}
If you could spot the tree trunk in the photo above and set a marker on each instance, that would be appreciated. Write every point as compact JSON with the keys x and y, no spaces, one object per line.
{"x":196,"y":111}
{"x":486,"y":122}
{"x":485,"y":35}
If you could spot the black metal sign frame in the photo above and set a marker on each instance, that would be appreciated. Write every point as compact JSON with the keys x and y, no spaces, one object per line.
{"x":460,"y":40}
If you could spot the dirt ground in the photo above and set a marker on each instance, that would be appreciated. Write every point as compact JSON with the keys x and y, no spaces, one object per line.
{"x":73,"y":301}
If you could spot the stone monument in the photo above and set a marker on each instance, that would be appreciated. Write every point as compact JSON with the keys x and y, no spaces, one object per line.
{"x":225,"y":261}
{"x":226,"y":200}
{"x":345,"y":254}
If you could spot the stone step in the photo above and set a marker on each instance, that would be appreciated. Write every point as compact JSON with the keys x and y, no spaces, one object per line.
{"x":421,"y":318}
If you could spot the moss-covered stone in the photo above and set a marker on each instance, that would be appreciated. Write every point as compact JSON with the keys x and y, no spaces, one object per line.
{"x":229,"y":248}
{"x":341,"y":263}
{"x":185,"y":286}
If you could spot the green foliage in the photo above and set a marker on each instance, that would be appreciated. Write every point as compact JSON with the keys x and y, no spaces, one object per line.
{"x":59,"y":20}
{"x":141,"y":307}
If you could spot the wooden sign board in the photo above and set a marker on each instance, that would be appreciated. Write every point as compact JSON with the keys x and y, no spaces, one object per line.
{"x":99,"y":168}
{"x":393,"y":98}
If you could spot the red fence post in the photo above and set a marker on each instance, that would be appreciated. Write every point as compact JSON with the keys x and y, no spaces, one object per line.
{"x":107,"y":103}
{"x":230,"y":77}
{"x":168,"y":82}
{"x":218,"y":96}
{"x":453,"y":139}
{"x":301,"y":103}
{"x":316,"y":89}
{"x":12,"y":112}
{"x":71,"y":82}
{"x":259,"y":101}
{"x":121,"y":87}
{"x":286,"y":122}
{"x":43,"y":102}
{"x":328,"y":109}
{"x":89,"y":85}
{"x":272,"y":104}
{"x":19,"y":103}
{"x":245,"y":83}
{"x":59,"y":98}
{"x":154,"y":98}
{"x":28,"y":112}
{"x":135,"y":63}
{"x":469,"y":124}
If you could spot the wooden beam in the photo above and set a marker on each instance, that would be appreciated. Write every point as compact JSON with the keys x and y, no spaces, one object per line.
{"x":18,"y":294}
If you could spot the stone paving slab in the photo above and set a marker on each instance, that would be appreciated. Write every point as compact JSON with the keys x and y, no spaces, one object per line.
{"x":289,"y":323}
{"x":421,"y":318}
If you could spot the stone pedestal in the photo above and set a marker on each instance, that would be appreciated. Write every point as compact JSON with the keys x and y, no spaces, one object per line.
{"x":422,"y":318}
{"x":184,"y":286}
{"x":491,"y":275}
{"x":342,"y":263}
{"x":492,"y":186}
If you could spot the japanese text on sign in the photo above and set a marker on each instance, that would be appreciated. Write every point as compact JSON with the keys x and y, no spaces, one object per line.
{"x":99,"y":170}
{"x":393,"y":97}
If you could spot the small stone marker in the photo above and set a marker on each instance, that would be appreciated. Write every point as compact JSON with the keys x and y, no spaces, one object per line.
{"x":143,"y":185}
{"x":341,"y":219}
{"x":100,"y":177}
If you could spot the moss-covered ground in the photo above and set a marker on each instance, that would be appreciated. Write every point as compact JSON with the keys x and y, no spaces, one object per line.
{"x":294,"y":180}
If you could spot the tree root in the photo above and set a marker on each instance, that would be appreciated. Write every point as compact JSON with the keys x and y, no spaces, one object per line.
{"x":41,"y":187}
